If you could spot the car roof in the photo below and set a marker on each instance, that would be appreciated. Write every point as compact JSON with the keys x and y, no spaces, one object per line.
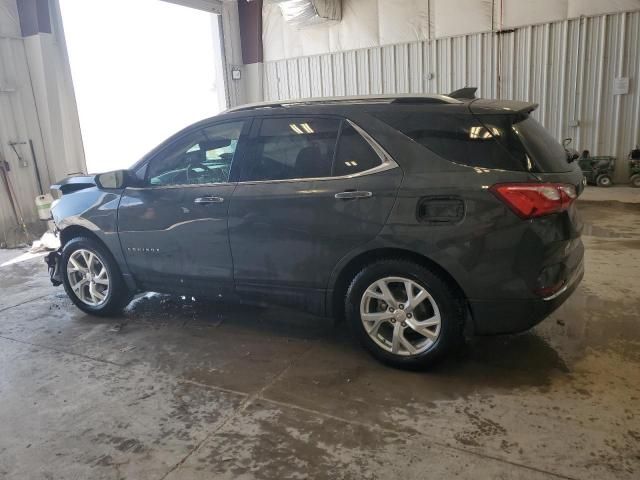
{"x":451,"y":103}
{"x":460,"y":101}
{"x":406,"y":99}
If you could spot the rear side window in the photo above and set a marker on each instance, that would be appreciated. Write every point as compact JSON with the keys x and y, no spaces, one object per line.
{"x":505,"y":142}
{"x":354,"y":153}
{"x":545,"y":151}
{"x":293,"y":147}
{"x":464,"y":139}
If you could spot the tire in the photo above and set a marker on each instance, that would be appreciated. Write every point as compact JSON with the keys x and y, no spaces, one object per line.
{"x":115,"y":296}
{"x":427,"y":349}
{"x":604,"y":181}
{"x":635,"y":180}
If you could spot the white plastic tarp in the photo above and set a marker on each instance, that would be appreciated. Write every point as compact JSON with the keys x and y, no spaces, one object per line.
{"x":306,"y":13}
{"x":541,"y":11}
{"x":597,"y":7}
{"x":358,"y":28}
{"x":461,"y":16}
{"x":403,"y":21}
{"x":372,"y":23}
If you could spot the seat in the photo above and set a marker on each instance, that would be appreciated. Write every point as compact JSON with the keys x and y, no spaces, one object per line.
{"x":311,"y":163}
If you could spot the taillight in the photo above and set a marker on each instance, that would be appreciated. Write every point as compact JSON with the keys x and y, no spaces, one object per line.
{"x":529,"y":200}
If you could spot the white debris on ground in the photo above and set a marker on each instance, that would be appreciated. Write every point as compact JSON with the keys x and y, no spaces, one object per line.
{"x":47,"y":243}
{"x":140,"y":298}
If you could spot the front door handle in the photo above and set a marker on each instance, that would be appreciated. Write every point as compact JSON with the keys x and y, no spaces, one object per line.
{"x":209,"y":199}
{"x":350,"y":194}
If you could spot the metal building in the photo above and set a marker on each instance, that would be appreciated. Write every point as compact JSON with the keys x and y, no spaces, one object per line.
{"x":579,"y":59}
{"x":582,"y":71}
{"x":40,"y":138}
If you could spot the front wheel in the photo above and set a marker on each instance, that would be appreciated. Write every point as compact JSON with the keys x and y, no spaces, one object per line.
{"x":604,"y":181}
{"x":635,"y":180}
{"x":403,"y":313}
{"x":91,"y":277}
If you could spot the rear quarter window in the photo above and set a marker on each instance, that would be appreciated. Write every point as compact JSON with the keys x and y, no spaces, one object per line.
{"x":354,"y":154}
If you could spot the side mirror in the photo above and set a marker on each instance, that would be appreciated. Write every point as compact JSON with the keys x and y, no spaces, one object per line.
{"x":566,"y":142}
{"x":112,"y":180}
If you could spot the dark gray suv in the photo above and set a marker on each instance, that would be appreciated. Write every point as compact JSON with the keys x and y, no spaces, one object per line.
{"x":411,"y":217}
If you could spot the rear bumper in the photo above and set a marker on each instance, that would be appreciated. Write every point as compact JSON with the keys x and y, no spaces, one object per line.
{"x":492,"y":317}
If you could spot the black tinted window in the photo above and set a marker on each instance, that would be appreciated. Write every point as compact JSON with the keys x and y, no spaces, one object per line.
{"x":202,"y":156}
{"x":293,"y":147}
{"x":354,"y":153}
{"x":545,"y":151}
{"x":490,"y":143}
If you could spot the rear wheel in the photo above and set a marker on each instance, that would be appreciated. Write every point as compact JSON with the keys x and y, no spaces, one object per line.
{"x":91,"y":277}
{"x":635,"y":180}
{"x":604,"y":181}
{"x":404,"y":314}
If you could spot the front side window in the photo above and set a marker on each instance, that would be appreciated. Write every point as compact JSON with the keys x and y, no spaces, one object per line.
{"x":201,"y":157}
{"x":293,"y":147}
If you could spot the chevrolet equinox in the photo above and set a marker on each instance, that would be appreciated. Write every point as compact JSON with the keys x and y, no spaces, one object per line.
{"x":411,"y":217}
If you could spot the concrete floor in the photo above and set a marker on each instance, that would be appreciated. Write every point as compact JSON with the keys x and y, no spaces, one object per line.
{"x":180,"y":389}
{"x":619,"y":193}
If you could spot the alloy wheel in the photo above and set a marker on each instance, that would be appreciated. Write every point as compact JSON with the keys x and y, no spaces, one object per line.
{"x":400,"y":316}
{"x":88,"y":277}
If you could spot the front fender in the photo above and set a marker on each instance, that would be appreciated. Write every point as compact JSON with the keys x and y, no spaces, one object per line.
{"x":93,"y":210}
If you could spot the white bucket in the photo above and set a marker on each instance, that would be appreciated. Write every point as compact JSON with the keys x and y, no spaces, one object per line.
{"x":43,"y":204}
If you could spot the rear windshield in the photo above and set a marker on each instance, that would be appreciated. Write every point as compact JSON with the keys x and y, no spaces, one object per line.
{"x":505,"y":142}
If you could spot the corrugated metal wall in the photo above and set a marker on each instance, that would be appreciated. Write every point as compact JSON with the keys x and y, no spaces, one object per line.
{"x":568,"y":67}
{"x":18,"y":123}
{"x":37,"y":103}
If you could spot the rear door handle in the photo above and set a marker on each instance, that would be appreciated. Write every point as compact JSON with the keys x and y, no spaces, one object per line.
{"x":348,"y":195}
{"x":207,"y":200}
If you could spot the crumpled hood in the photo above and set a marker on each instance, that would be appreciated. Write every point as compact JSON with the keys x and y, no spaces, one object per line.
{"x":73,"y":184}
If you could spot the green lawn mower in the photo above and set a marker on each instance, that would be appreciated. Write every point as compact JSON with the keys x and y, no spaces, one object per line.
{"x":597,"y":170}
{"x":634,"y":167}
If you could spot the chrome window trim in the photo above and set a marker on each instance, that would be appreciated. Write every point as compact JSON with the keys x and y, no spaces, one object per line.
{"x":183,"y":185}
{"x":386,"y":163}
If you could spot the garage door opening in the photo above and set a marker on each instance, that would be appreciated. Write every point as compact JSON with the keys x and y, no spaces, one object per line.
{"x":141,"y":71}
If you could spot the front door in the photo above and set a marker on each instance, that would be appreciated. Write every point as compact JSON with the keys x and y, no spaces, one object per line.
{"x":311,"y":190}
{"x":173,"y":229}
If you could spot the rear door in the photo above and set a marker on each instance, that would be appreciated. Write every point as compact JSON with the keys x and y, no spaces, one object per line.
{"x":173,"y":229}
{"x":311,"y":190}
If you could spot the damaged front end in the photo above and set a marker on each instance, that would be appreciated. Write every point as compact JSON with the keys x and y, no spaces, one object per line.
{"x":53,"y":263}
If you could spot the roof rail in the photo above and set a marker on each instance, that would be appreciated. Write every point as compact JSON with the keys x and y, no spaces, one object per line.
{"x":399,"y":99}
